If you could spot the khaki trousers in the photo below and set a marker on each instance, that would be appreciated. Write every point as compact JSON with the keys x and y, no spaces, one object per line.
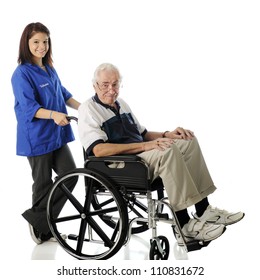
{"x":183,"y":171}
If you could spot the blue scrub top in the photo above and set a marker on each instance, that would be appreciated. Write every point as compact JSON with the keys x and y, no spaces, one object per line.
{"x":33,"y":89}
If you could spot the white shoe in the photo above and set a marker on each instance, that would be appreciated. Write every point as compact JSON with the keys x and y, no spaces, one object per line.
{"x":218,"y":216}
{"x":202,"y":231}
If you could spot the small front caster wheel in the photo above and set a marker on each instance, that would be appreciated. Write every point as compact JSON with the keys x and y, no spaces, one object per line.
{"x":160,"y":248}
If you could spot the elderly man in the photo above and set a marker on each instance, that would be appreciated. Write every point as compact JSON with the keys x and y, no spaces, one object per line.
{"x":107,"y":126}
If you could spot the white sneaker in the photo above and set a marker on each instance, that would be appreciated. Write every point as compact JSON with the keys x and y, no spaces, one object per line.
{"x":200,"y":230}
{"x":218,"y":216}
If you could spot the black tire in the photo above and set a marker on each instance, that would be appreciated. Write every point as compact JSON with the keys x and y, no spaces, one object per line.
{"x":155,"y":254}
{"x":89,"y":237}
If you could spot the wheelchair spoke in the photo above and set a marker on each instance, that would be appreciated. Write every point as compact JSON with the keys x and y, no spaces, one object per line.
{"x":71,"y":198}
{"x":102,"y":211}
{"x":104,"y":203}
{"x":81,"y":237}
{"x":140,"y":206}
{"x":100,"y":232}
{"x":67,"y":218}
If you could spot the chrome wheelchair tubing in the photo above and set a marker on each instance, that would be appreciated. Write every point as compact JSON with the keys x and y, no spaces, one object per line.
{"x":175,"y":224}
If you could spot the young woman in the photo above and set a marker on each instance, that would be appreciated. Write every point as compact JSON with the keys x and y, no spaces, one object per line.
{"x":43,"y":130}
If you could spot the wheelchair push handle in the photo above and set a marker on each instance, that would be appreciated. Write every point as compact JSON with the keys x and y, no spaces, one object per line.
{"x":72,"y":118}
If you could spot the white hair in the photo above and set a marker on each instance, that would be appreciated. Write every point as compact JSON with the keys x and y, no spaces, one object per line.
{"x":107,"y":67}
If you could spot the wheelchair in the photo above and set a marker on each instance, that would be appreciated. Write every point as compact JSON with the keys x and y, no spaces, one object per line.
{"x":113,"y":198}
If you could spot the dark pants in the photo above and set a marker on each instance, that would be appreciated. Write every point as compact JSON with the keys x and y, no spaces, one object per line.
{"x":60,"y":161}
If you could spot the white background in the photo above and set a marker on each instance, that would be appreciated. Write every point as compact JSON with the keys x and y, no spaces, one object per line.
{"x":193,"y":63}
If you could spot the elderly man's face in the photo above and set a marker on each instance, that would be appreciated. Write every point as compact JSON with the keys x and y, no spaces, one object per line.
{"x":107,"y":86}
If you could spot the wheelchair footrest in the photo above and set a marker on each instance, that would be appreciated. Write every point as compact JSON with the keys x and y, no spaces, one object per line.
{"x":196,"y":245}
{"x":75,"y":237}
{"x":164,"y":216}
{"x":141,"y":223}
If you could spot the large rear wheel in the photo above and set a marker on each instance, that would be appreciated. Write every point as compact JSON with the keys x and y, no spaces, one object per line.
{"x":89,"y":231}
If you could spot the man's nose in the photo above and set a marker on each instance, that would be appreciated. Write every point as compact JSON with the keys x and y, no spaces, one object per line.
{"x":111,"y":88}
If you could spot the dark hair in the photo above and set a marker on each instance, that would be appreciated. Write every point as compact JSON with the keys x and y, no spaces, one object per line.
{"x":24,"y":52}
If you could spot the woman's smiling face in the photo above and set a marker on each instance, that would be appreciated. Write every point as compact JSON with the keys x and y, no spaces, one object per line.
{"x":39,"y":45}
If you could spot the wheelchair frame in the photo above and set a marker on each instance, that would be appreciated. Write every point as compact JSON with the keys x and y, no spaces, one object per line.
{"x":96,"y":216}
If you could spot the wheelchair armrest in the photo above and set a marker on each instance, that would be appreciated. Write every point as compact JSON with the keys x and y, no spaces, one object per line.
{"x":128,"y":171}
{"x":123,"y":158}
